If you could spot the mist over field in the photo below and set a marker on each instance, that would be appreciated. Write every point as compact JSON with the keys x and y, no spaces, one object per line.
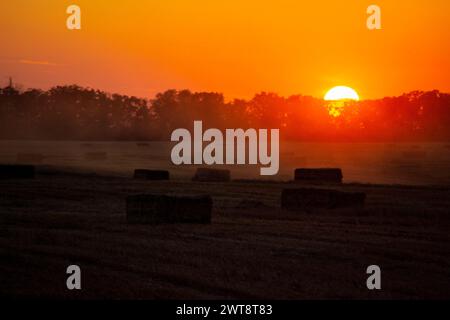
{"x":383,"y":163}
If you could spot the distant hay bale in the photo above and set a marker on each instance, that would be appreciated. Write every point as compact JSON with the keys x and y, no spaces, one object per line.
{"x":17,"y":171}
{"x":96,"y":156}
{"x":155,"y":209}
{"x":304,"y":198}
{"x":30,"y":158}
{"x":321,"y":175}
{"x":212,"y":175}
{"x":145,"y":174}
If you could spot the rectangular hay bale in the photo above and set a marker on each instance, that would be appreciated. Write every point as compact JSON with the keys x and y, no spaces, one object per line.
{"x":323,"y":175}
{"x":303,"y":198}
{"x":16,"y":171}
{"x":212,"y":175}
{"x":156,"y":209}
{"x":145,"y":174}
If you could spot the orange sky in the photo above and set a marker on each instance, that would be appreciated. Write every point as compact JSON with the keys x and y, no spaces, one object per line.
{"x":236,"y":47}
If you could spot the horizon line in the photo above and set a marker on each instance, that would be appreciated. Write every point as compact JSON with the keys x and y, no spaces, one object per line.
{"x":212,"y":91}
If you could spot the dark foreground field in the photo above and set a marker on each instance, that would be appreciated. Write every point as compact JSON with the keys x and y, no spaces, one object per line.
{"x":252,"y":249}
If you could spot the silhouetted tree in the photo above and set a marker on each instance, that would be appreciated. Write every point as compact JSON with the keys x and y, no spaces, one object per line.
{"x":76,"y":113}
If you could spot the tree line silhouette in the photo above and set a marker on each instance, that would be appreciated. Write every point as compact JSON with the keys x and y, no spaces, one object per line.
{"x":77,"y":113}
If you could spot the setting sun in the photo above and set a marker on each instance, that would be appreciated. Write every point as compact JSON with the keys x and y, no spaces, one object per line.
{"x":341,"y":93}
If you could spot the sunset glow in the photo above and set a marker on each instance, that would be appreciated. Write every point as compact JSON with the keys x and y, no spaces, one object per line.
{"x":341,"y":93}
{"x":236,"y":47}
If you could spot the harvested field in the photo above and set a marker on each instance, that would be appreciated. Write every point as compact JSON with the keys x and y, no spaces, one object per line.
{"x":157,"y":208}
{"x":212,"y":175}
{"x":145,"y":174}
{"x":307,"y":198}
{"x":320,"y":175}
{"x":252,"y":248}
